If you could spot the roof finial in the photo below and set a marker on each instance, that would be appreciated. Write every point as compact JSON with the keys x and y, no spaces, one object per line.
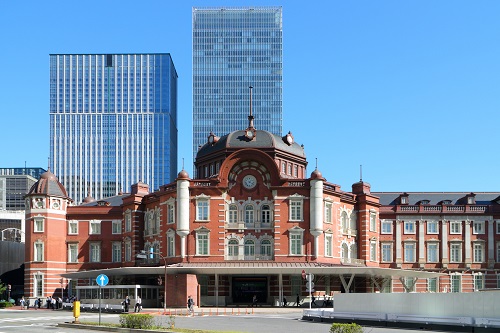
{"x":250,"y":117}
{"x":183,"y":163}
{"x":361,"y":172}
{"x":48,"y":163}
{"x":316,"y":163}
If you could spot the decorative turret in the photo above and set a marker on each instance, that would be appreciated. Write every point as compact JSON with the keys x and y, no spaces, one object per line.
{"x":183,"y":208}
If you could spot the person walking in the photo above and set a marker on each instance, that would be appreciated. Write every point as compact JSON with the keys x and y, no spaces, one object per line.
{"x":254,"y":300}
{"x":314,"y":301}
{"x":22,"y":302}
{"x":298,"y":300}
{"x":126,"y":303}
{"x":284,"y":301}
{"x":190,"y":305}
{"x":138,"y":302}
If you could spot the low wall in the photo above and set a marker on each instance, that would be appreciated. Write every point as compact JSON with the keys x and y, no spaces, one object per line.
{"x":482,"y":304}
{"x":11,"y":256}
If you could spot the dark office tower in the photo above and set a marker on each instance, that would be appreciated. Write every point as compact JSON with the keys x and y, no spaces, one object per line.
{"x":113,"y":122}
{"x":234,"y":48}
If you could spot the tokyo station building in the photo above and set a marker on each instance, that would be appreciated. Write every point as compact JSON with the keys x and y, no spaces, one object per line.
{"x":251,"y":222}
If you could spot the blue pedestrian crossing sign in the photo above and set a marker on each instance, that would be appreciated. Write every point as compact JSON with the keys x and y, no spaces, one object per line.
{"x":102,"y":280}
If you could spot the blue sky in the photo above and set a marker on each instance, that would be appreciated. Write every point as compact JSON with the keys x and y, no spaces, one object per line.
{"x":408,"y":89}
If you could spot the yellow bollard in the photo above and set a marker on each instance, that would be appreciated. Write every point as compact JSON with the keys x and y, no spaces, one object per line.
{"x":76,"y":311}
{"x":232,"y":311}
{"x":238,"y":312}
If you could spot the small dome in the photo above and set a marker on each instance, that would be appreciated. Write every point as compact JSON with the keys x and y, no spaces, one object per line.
{"x":316,"y":174}
{"x":88,"y":199}
{"x":48,"y":184}
{"x":183,"y":175}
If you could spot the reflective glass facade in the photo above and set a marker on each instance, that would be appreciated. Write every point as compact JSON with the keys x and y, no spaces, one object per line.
{"x":113,"y":122}
{"x":234,"y":48}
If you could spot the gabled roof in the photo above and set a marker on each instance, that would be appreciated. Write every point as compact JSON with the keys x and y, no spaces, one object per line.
{"x":435,"y":198}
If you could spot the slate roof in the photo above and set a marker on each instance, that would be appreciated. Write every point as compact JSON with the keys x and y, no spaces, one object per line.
{"x":114,"y":201}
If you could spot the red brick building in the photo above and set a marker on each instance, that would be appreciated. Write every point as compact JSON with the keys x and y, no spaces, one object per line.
{"x":250,"y":223}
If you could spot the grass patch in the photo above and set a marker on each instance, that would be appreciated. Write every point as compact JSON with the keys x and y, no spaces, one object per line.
{"x":160,"y":328}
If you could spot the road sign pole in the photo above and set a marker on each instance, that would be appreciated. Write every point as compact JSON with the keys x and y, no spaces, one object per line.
{"x":99,"y":305}
{"x":310,"y":293}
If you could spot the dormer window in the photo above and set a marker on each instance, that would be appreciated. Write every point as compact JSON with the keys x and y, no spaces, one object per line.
{"x":423,"y":202}
{"x":471,"y":199}
{"x":403,"y":199}
{"x":445,"y":202}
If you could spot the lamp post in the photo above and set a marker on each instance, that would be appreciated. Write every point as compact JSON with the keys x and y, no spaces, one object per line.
{"x":144,"y":255}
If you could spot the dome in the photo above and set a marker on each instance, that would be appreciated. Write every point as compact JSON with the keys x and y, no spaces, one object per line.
{"x":88,"y":199}
{"x":48,"y":184}
{"x":316,"y":174}
{"x":183,"y":175}
{"x":263,"y":139}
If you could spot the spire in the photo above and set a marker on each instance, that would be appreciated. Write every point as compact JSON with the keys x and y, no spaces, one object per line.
{"x":250,"y":117}
{"x":361,"y":172}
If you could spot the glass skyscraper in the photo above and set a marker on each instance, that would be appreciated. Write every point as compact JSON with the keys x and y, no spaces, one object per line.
{"x":234,"y":48}
{"x":113,"y":122}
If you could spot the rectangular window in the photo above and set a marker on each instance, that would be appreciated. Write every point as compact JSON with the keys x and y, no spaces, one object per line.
{"x":171,"y":214}
{"x":478,"y":252}
{"x":117,"y":252}
{"x":202,"y":210}
{"x":296,"y":244}
{"x":386,"y":252}
{"x":478,"y":227}
{"x":373,"y":221}
{"x":38,"y":255}
{"x":497,"y":223}
{"x":328,"y":245}
{"x":117,"y":227}
{"x":171,"y":245}
{"x":373,"y":251}
{"x":498,"y":280}
{"x":202,"y":244}
{"x":456,"y":283}
{"x":386,"y":227}
{"x":432,"y":227}
{"x":455,"y":252}
{"x":498,"y":252}
{"x":455,"y":227}
{"x":432,"y":252}
{"x":95,"y":252}
{"x":72,"y":252}
{"x":38,"y":288}
{"x":128,"y":222}
{"x":409,"y":252}
{"x":478,"y":282}
{"x":328,"y":212}
{"x":295,"y":210}
{"x":432,"y":285}
{"x":95,"y":227}
{"x":72,"y":227}
{"x":409,"y":227}
{"x":38,"y":224}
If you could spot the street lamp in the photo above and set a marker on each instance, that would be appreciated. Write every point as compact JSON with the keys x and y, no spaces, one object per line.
{"x":144,"y":255}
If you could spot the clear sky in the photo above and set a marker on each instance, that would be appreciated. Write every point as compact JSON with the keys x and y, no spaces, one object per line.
{"x":410,"y":90}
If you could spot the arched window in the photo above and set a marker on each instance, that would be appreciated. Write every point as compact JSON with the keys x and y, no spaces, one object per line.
{"x":345,"y":251}
{"x":232,"y":248}
{"x":233,"y":214}
{"x":354,"y":251}
{"x":344,"y":220}
{"x":266,"y":214}
{"x":248,"y":214}
{"x":265,"y":248}
{"x":249,"y":248}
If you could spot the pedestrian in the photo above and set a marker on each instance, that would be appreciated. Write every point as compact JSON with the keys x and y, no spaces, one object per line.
{"x":284,"y":301}
{"x":53,"y":303}
{"x":22,"y":302}
{"x":39,"y":302}
{"x":190,"y":305}
{"x":298,"y":300}
{"x":138,"y":302}
{"x":126,"y":304}
{"x":314,"y":301}
{"x":254,"y":300}
{"x":49,"y":302}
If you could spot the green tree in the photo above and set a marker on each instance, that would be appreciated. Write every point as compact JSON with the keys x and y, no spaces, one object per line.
{"x":3,"y":287}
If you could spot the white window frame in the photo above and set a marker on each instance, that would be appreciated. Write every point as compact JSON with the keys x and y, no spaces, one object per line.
{"x":38,"y":251}
{"x":296,"y":209}
{"x":384,"y":224}
{"x":373,"y":221}
{"x":266,"y":214}
{"x":38,"y":224}
{"x":433,"y":252}
{"x":171,"y":213}
{"x":72,"y":252}
{"x":478,"y":281}
{"x":296,"y":240}
{"x":116,"y":227}
{"x":128,"y":249}
{"x":202,"y":243}
{"x":128,"y":221}
{"x":203,"y":208}
{"x":328,"y":212}
{"x":328,"y":245}
{"x":249,"y":249}
{"x":433,"y":285}
{"x":266,"y":249}
{"x":95,"y":227}
{"x":373,"y":251}
{"x":497,"y":223}
{"x":73,"y":227}
{"x":454,"y":279}
{"x":410,"y":249}
{"x":409,"y":227}
{"x":456,"y":227}
{"x":95,"y":252}
{"x":232,"y":213}
{"x":498,"y":252}
{"x":386,"y":250}
{"x":38,"y":285}
{"x":171,"y":243}
{"x":478,"y":252}
{"x":116,"y":252}
{"x":249,"y":212}
{"x":455,"y":252}
{"x":233,"y":249}
{"x":478,"y":228}
{"x":432,"y":227}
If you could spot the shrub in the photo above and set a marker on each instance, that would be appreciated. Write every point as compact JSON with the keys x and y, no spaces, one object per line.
{"x":346,"y":328}
{"x":143,"y":321}
{"x":5,"y":304}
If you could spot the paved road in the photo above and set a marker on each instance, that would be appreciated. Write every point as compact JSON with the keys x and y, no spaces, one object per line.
{"x":262,"y":320}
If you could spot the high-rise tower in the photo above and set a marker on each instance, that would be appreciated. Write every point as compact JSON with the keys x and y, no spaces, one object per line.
{"x":234,"y":48}
{"x":113,"y":122}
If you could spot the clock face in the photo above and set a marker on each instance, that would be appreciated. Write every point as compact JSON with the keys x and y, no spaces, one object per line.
{"x":249,"y":134}
{"x":211,"y":139}
{"x":289,"y":139}
{"x":249,"y":181}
